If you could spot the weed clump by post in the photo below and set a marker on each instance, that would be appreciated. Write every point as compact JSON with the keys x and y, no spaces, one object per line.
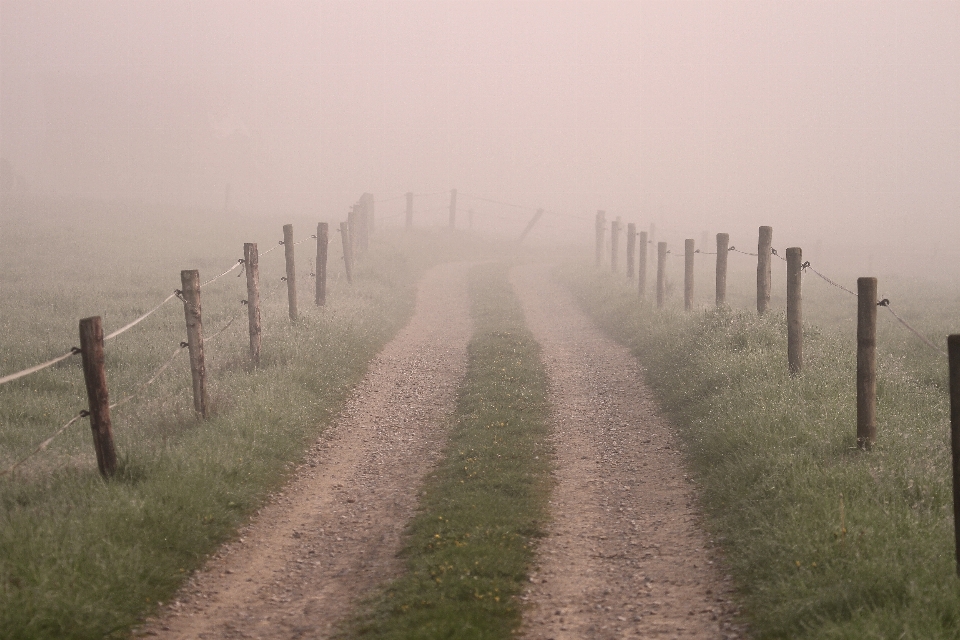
{"x":470,"y":546}
{"x":823,"y":540}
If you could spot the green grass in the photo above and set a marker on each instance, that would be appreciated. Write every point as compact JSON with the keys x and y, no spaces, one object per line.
{"x":85,"y":558}
{"x":824,"y":541}
{"x":469,"y":548}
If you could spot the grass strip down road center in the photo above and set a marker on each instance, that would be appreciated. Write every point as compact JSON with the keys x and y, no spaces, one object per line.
{"x":470,"y":547}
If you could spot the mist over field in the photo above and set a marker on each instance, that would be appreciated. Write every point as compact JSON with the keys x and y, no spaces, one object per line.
{"x":838,"y":123}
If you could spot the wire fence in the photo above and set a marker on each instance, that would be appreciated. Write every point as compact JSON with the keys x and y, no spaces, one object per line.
{"x":805,"y":267}
{"x":155,"y":374}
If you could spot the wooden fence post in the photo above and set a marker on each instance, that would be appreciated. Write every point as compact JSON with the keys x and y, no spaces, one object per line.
{"x":190,"y":281}
{"x":347,"y":251}
{"x":91,"y":350}
{"x":764,"y":256}
{"x":453,"y":208}
{"x":409,"y":210}
{"x":688,"y":251}
{"x":321,"y":270}
{"x":953,"y":353}
{"x":866,"y":362}
{"x":251,"y":263}
{"x":600,"y":224}
{"x":794,"y":310}
{"x":631,"y":248}
{"x":723,"y":249}
{"x":661,"y":273}
{"x":614,"y":243}
{"x":352,"y":224}
{"x":642,"y":272}
{"x":291,"y":270}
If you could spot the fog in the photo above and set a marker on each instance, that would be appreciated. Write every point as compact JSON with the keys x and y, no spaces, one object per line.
{"x":835,"y":122}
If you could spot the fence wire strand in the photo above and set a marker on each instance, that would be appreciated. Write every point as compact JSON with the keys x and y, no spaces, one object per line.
{"x":43,"y":445}
{"x":911,"y":329}
{"x":49,"y":363}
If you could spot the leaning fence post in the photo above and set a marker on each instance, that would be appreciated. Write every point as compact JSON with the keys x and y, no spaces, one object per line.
{"x":794,"y":310}
{"x":409,"y":210}
{"x":661,"y":272}
{"x":190,"y":281}
{"x":251,"y":263}
{"x":614,"y":243}
{"x":866,"y":362}
{"x":91,"y":350}
{"x":642,"y":259}
{"x":764,"y":257}
{"x":631,"y":248}
{"x":953,"y":352}
{"x":600,"y":224}
{"x":291,"y":270}
{"x":688,"y":274}
{"x":723,"y":248}
{"x":347,"y":251}
{"x":321,"y":270}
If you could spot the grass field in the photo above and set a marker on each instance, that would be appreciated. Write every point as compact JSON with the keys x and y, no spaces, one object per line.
{"x":823,"y":540}
{"x":468,"y":550}
{"x":84,"y":558}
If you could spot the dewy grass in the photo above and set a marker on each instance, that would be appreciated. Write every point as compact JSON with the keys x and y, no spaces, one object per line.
{"x":85,"y":558}
{"x":824,"y":541}
{"x":470,"y":546}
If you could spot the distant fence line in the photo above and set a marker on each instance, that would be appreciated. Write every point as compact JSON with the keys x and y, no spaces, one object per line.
{"x":867,"y":304}
{"x":356,"y":230}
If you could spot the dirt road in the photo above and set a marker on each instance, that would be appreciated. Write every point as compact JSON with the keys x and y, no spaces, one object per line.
{"x":625,"y":557}
{"x":332,"y":536}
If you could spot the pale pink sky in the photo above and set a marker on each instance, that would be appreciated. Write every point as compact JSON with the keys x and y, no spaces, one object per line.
{"x":815,"y":117}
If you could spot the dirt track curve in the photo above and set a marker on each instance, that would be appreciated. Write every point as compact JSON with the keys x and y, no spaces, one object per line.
{"x":625,"y":557}
{"x":332,"y":535}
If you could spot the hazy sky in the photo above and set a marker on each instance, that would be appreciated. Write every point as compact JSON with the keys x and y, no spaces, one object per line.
{"x":815,"y":117}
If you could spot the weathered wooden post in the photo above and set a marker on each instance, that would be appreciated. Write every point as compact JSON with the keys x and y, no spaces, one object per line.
{"x":866,"y":362}
{"x":291,"y":270}
{"x":600,"y":224}
{"x":91,"y":350}
{"x":323,"y":242}
{"x":190,"y":283}
{"x":688,"y":252}
{"x":409,"y":210}
{"x":352,"y":224}
{"x":251,"y":263}
{"x":764,"y":256}
{"x":347,"y":251}
{"x":723,"y":248}
{"x":453,"y":208}
{"x":953,"y":353}
{"x":631,"y":248}
{"x":642,"y":259}
{"x":661,"y":273}
{"x":794,"y":310}
{"x":614,"y":243}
